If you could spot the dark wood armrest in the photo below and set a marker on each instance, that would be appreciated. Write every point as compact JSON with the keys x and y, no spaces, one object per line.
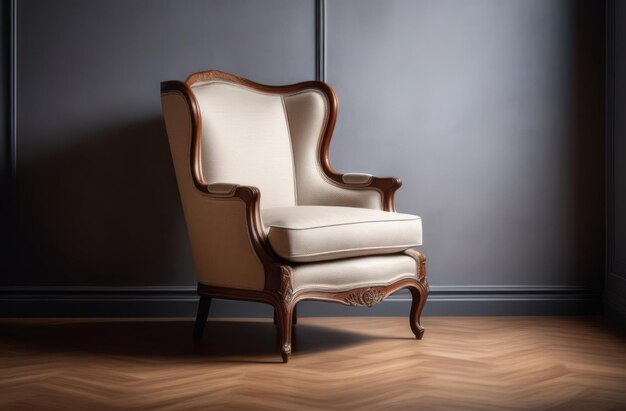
{"x":386,"y":185}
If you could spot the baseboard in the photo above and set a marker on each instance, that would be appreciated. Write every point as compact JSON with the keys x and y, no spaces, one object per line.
{"x":182,"y":302}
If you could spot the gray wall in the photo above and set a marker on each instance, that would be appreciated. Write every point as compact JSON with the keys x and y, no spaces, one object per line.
{"x":97,"y":195}
{"x":616,"y":273}
{"x":491,"y":112}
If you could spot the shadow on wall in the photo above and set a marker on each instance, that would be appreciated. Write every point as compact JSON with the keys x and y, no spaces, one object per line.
{"x":584,"y":151}
{"x":103,"y":212}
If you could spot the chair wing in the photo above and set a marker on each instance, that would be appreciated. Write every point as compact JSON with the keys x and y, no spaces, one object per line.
{"x":218,"y":223}
{"x":311,"y":116}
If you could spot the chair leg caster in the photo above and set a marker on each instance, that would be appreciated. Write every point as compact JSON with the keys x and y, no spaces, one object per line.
{"x":286,"y":353}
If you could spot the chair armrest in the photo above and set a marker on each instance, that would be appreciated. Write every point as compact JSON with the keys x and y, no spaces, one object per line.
{"x":387,"y":186}
{"x":222,"y":188}
{"x":357,"y":178}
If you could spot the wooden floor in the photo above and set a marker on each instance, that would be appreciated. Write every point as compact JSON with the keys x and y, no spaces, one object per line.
{"x":338,"y":363}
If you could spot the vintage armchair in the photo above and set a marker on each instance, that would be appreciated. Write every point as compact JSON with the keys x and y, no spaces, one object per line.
{"x":269,"y":219}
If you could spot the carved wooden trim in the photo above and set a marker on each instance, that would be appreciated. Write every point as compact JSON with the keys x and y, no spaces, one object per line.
{"x":357,"y":296}
{"x":365,"y":296}
{"x":216,"y":75}
{"x":286,"y":287}
{"x":420,"y":260}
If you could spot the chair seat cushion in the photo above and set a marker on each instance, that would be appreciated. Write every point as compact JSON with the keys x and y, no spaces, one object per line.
{"x":320,"y":233}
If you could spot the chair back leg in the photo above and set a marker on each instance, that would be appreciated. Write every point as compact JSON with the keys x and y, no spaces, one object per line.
{"x":203,"y":312}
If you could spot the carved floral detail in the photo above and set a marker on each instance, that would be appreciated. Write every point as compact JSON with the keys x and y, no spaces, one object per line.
{"x":286,"y":289}
{"x":367,"y":297}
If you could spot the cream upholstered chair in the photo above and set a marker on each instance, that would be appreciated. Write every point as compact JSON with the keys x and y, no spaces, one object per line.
{"x":269,"y":219}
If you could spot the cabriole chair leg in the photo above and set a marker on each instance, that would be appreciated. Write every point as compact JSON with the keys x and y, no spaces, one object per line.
{"x":419,"y":295}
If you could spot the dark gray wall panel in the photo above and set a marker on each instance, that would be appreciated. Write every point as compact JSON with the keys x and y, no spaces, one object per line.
{"x":492,"y":114}
{"x":97,"y":195}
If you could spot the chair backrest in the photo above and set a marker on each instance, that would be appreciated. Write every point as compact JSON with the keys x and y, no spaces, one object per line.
{"x":245,"y":140}
{"x":275,"y":138}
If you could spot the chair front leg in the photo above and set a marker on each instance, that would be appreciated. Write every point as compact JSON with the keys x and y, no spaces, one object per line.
{"x":284,"y":314}
{"x":294,"y":316}
{"x":419,"y":294}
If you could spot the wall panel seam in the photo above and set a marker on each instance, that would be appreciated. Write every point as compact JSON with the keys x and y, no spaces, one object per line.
{"x":13,"y":90}
{"x":320,"y":40}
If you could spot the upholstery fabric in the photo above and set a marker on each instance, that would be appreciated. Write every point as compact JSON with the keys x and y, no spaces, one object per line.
{"x":319,"y":233}
{"x":245,"y":140}
{"x":351,"y":273}
{"x":306,"y":113}
{"x":221,"y":247}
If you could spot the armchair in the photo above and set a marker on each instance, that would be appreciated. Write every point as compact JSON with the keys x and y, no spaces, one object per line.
{"x":268,"y":217}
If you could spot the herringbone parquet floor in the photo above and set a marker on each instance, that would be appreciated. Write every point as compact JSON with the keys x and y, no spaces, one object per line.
{"x":338,"y":363}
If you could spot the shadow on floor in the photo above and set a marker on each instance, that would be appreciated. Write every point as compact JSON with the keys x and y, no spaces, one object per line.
{"x":247,"y":341}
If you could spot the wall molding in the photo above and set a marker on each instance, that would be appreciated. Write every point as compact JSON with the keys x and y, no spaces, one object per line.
{"x":182,"y":301}
{"x":609,"y":183}
{"x":320,"y":40}
{"x":614,"y":297}
{"x":13,"y":91}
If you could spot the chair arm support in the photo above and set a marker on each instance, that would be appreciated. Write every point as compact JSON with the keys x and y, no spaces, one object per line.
{"x":251,"y":196}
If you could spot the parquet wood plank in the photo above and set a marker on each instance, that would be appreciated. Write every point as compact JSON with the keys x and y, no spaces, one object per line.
{"x":490,"y":363}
